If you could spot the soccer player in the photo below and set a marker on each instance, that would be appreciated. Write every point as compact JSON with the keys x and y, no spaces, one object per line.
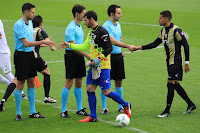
{"x":117,"y":72}
{"x":24,"y":60}
{"x":5,"y":62}
{"x":40,"y":34}
{"x":74,"y":62}
{"x":100,"y":46}
{"x":172,"y":37}
{"x":5,"y":65}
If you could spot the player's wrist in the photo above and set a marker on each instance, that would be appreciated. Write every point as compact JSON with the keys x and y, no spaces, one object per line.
{"x":186,"y":62}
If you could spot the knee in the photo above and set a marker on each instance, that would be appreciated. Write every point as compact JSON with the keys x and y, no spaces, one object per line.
{"x":118,"y":83}
{"x":106,"y":92}
{"x":78,"y":84}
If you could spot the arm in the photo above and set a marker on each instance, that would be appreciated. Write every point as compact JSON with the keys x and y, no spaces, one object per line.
{"x":81,"y":47}
{"x":80,"y":52}
{"x":29,"y":43}
{"x":182,"y":40}
{"x":120,"y":44}
{"x":152,"y":45}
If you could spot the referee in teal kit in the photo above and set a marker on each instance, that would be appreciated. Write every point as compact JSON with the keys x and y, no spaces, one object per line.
{"x":24,"y":60}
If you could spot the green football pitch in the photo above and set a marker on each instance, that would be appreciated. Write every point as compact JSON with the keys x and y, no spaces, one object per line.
{"x":146,"y":74}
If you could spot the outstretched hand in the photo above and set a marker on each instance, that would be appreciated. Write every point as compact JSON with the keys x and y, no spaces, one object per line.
{"x":187,"y":67}
{"x":131,"y":48}
{"x":63,"y":45}
{"x":49,"y":42}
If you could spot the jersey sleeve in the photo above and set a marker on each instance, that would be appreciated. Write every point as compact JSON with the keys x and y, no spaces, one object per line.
{"x":182,"y":40}
{"x":154,"y":44}
{"x":70,"y":34}
{"x":20,"y":31}
{"x":109,"y":30}
{"x":81,"y":47}
{"x":107,"y":46}
{"x":44,"y":34}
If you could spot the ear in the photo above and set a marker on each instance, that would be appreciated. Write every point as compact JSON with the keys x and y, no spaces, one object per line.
{"x":112,"y":14}
{"x":76,"y":14}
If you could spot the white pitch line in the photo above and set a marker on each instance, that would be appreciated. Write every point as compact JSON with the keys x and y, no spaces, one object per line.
{"x":100,"y":119}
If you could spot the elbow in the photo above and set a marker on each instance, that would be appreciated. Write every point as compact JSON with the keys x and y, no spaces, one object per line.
{"x":113,"y":42}
{"x":26,"y":45}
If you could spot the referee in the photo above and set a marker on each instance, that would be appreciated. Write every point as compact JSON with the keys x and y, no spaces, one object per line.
{"x":24,"y":60}
{"x":172,"y":37}
{"x":74,"y":62}
{"x":117,"y":72}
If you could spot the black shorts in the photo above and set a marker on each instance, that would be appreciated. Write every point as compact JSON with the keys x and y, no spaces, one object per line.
{"x":25,"y":65}
{"x":175,"y":72}
{"x":74,"y":65}
{"x":117,"y":67}
{"x":41,"y":64}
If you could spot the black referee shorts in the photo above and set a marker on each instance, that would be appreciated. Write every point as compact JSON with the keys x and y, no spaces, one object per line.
{"x":25,"y":65}
{"x":175,"y":72}
{"x":41,"y":64}
{"x":74,"y":65}
{"x":117,"y":67}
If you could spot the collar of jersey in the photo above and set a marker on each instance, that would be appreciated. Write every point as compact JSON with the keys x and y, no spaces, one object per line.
{"x":95,"y":28}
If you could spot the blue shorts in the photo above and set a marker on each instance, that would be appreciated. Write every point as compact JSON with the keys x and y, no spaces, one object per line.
{"x":103,"y":81}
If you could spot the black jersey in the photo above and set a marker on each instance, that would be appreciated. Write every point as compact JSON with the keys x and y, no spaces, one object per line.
{"x":173,"y":38}
{"x":39,"y":34}
{"x":98,"y":41}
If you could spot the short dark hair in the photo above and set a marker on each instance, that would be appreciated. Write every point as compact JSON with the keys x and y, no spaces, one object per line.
{"x":77,"y":8}
{"x":27,"y":6}
{"x":112,"y":8}
{"x":166,"y":14}
{"x":37,"y":20}
{"x":91,"y":14}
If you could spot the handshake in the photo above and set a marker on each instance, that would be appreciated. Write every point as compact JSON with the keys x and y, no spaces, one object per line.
{"x":132,"y":48}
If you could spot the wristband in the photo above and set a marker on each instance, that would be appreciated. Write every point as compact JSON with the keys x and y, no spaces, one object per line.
{"x":186,"y":62}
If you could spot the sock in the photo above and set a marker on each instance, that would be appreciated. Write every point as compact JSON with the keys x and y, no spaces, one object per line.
{"x":18,"y":99}
{"x":4,"y":80}
{"x":9,"y":76}
{"x":103,"y":100}
{"x":9,"y":90}
{"x":64,"y":98}
{"x":78,"y":95}
{"x":46,"y":84}
{"x":117,"y":98}
{"x":170,"y":96}
{"x":119,"y":91}
{"x":183,"y":94}
{"x":31,"y":99}
{"x":92,"y":103}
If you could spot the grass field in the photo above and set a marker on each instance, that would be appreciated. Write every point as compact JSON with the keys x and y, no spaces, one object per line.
{"x":146,"y":75}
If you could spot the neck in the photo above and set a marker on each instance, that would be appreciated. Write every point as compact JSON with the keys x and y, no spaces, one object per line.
{"x":167,"y":24}
{"x":113,"y":21}
{"x":25,"y":19}
{"x":94,"y":25}
{"x":77,"y":21}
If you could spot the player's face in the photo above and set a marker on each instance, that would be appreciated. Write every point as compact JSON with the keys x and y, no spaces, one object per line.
{"x":162,"y":21}
{"x":87,"y":22}
{"x":30,"y":14}
{"x":81,"y":15}
{"x":118,"y":14}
